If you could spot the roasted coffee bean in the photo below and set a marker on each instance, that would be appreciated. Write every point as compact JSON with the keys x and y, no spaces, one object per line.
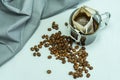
{"x":38,"y":54}
{"x":74,"y":50}
{"x":56,"y":27}
{"x":49,"y":57}
{"x":36,"y":49}
{"x":43,"y":36}
{"x":66,"y":24}
{"x":78,"y":43}
{"x":70,"y":73}
{"x":83,"y":68}
{"x":49,"y":71}
{"x":46,"y":45}
{"x":63,"y":61}
{"x":91,"y":68}
{"x":34,"y":54}
{"x":53,"y":23}
{"x":75,"y":67}
{"x":83,"y":48}
{"x":86,"y":54}
{"x":75,"y":75}
{"x":76,"y":47}
{"x":81,"y":75}
{"x":35,"y":46}
{"x":87,"y":75}
{"x":41,"y":43}
{"x":80,"y":70}
{"x":32,"y":49}
{"x":88,"y":65}
{"x":59,"y":32}
{"x":39,"y":46}
{"x":86,"y":71}
{"x":49,"y":29}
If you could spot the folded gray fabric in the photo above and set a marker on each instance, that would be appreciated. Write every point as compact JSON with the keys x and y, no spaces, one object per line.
{"x":20,"y":18}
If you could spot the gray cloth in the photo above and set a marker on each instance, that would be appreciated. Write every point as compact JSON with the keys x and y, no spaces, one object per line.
{"x":20,"y":18}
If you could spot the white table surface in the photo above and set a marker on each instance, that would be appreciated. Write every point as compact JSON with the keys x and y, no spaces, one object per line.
{"x":104,"y":52}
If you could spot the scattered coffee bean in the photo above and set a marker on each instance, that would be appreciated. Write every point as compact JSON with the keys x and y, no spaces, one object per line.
{"x":35,"y":46}
{"x":38,"y":54}
{"x":49,"y":57}
{"x":81,"y":75}
{"x":63,"y":61}
{"x":66,"y":24}
{"x":43,"y":36}
{"x":49,"y":71}
{"x":32,"y":49}
{"x":74,"y":50}
{"x":86,"y":71}
{"x":41,"y":43}
{"x":39,"y":46}
{"x":91,"y":68}
{"x":53,"y":23}
{"x":36,"y":49}
{"x":49,"y":29}
{"x":56,"y":27}
{"x":76,"y":47}
{"x":46,"y":45}
{"x":87,"y":75}
{"x":34,"y":54}
{"x":70,"y":73}
{"x":83,"y":48}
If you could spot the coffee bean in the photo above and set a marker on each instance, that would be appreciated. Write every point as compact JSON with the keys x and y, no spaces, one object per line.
{"x":34,"y":54}
{"x":74,"y":50}
{"x":35,"y":46}
{"x":91,"y":68}
{"x":46,"y":45}
{"x":41,"y":43}
{"x":86,"y":71}
{"x":38,"y":54}
{"x":76,"y":47}
{"x":70,"y":73}
{"x":39,"y":46}
{"x":81,"y":75}
{"x":43,"y":36}
{"x":66,"y":24}
{"x":87,"y":75}
{"x":32,"y":49}
{"x":53,"y":23}
{"x":83,"y":48}
{"x":49,"y":71}
{"x":49,"y":29}
{"x":49,"y":57}
{"x":63,"y":61}
{"x":36,"y":49}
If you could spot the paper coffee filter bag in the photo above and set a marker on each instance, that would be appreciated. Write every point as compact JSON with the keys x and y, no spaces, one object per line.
{"x":83,"y":25}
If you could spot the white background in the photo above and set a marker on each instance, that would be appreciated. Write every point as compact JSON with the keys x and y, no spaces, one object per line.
{"x":104,"y":52}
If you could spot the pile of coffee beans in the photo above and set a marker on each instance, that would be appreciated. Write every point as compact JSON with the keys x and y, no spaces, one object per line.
{"x":35,"y":49}
{"x":65,"y":49}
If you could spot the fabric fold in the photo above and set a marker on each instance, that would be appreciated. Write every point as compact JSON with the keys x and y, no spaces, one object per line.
{"x":19,"y":19}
